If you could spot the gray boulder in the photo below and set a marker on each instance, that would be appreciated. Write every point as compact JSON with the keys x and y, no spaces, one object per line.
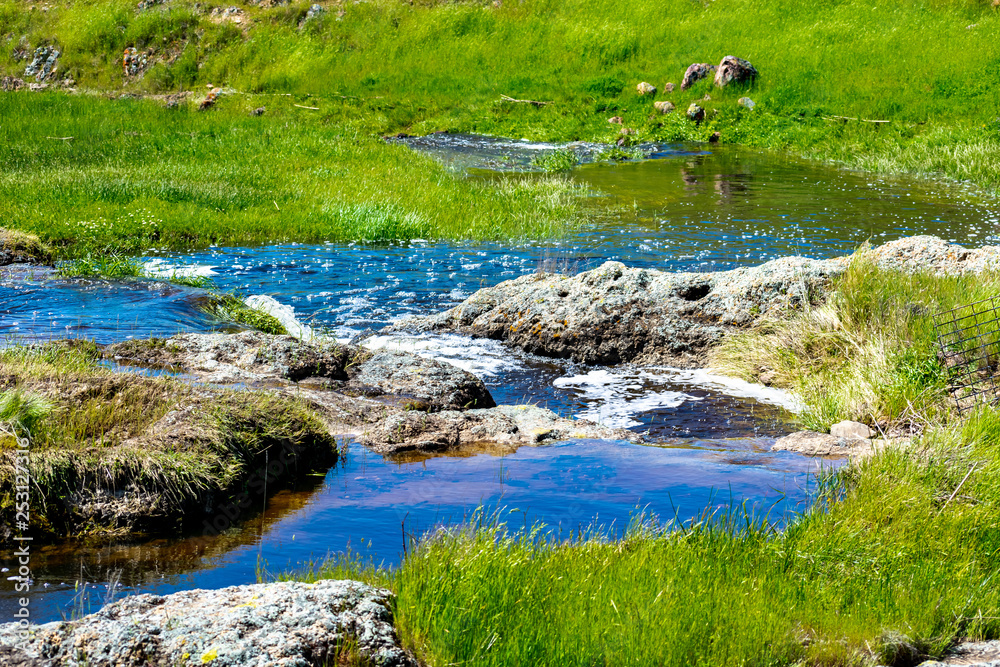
{"x":284,"y":623}
{"x":43,"y":64}
{"x":664,"y":106}
{"x":506,"y":426}
{"x":734,"y":70}
{"x":430,"y":384}
{"x":254,"y":357}
{"x":696,"y":73}
{"x":614,"y":314}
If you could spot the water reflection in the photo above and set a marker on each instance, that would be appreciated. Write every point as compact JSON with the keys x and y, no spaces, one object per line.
{"x":367,"y":504}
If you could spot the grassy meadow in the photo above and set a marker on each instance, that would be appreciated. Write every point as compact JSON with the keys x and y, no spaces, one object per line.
{"x":136,"y":176}
{"x":313,"y":168}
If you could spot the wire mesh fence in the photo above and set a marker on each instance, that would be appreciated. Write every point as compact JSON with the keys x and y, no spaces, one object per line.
{"x":969,"y":337}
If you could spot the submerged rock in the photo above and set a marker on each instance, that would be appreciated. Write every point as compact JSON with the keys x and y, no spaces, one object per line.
{"x":734,"y":70}
{"x":696,"y":73}
{"x":283,"y":623}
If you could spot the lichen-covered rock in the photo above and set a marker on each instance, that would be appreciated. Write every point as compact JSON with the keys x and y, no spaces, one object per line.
{"x":507,"y":425}
{"x":929,"y":253}
{"x":43,"y":64}
{"x":696,"y":113}
{"x":645,"y":88}
{"x":696,"y":73}
{"x":664,"y":106}
{"x":254,"y":357}
{"x":614,"y":314}
{"x":746,"y":102}
{"x":734,"y":70}
{"x":283,"y":623}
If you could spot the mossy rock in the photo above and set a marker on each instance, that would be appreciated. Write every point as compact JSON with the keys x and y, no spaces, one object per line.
{"x":21,"y":248}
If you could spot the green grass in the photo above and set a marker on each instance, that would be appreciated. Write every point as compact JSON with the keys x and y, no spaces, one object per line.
{"x":896,"y":563}
{"x":445,"y":65}
{"x":137,"y":177}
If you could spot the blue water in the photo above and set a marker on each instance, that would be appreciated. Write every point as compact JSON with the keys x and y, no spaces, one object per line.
{"x":370,"y":505}
{"x":690,"y":209}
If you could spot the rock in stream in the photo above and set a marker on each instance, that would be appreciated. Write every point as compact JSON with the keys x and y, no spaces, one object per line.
{"x":292,"y":624}
{"x":616,"y":314}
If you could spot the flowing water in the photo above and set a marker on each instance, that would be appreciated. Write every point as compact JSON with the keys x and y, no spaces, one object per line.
{"x":686,"y":208}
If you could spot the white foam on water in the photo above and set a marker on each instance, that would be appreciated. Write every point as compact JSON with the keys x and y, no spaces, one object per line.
{"x":481,"y":357}
{"x":282,"y":313}
{"x":730,"y":386}
{"x":160,"y":268}
{"x":615,"y":398}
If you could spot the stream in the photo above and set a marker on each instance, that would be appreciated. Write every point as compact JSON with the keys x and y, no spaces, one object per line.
{"x":690,"y":208}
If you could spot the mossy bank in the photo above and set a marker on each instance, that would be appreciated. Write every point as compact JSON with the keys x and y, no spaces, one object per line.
{"x":114,"y":454}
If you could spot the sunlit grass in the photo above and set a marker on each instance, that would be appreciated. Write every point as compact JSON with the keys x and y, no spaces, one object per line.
{"x":136,"y":177}
{"x":869,"y":354}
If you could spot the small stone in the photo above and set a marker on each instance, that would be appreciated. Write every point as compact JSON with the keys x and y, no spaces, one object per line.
{"x":616,"y":120}
{"x":811,"y":443}
{"x":746,"y":102}
{"x":696,"y":73}
{"x":707,"y":98}
{"x":668,"y":87}
{"x":9,"y":84}
{"x":646,"y":88}
{"x":734,"y":70}
{"x":714,"y":139}
{"x":851,"y":430}
{"x":696,"y":113}
{"x":259,"y":111}
{"x":664,"y":106}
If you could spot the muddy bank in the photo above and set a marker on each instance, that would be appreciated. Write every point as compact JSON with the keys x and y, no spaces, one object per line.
{"x":615,"y":314}
{"x":284,"y":623}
